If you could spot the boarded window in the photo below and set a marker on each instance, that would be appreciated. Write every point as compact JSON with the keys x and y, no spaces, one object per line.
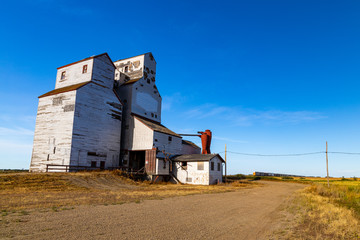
{"x":84,"y":69}
{"x":93,"y":164}
{"x":188,"y":179}
{"x":69,"y":108}
{"x":219,"y":166}
{"x":184,"y":165}
{"x":212,"y":166}
{"x":57,"y":101}
{"x":63,"y":75}
{"x":200,"y":166}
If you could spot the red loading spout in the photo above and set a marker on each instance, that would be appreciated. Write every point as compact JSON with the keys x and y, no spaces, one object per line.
{"x":205,"y":141}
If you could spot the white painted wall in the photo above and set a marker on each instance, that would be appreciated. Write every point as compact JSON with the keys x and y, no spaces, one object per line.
{"x":73,"y":74}
{"x":135,"y":67}
{"x":187,"y":149}
{"x":146,"y":100}
{"x":103,"y":71}
{"x":215,"y":175}
{"x":53,"y":131}
{"x":199,"y":177}
{"x":161,"y":141}
{"x":97,"y":127}
{"x":142,"y":136}
{"x":160,"y":169}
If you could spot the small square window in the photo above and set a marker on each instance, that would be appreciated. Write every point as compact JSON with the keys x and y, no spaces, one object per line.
{"x":170,"y":138}
{"x":200,"y":166}
{"x":63,"y":75}
{"x":188,"y":179}
{"x":84,"y":69}
{"x":93,"y":164}
{"x":184,"y":165}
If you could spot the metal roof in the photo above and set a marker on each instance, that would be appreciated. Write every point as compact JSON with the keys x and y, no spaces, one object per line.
{"x":95,"y":56}
{"x":187,"y":142}
{"x":65,"y":89}
{"x":196,"y":157}
{"x":157,"y":127}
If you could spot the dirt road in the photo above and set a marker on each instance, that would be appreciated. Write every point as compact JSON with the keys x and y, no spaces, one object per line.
{"x":245,"y":214}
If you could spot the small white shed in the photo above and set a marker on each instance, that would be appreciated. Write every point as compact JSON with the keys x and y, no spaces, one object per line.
{"x":202,"y":169}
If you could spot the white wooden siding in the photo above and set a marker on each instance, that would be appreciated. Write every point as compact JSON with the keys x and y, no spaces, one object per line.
{"x":74,"y":74}
{"x":103,"y":71}
{"x":161,"y":141}
{"x":97,"y":126}
{"x":143,"y":136}
{"x":53,"y":131}
{"x":187,"y":149}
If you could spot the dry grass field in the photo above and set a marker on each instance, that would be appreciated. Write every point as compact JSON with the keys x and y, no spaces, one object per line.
{"x":24,"y":191}
{"x":322,"y":212}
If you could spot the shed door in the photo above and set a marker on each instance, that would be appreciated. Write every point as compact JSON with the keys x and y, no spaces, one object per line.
{"x":150,"y":161}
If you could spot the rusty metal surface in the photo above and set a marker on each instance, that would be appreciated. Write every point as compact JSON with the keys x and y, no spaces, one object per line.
{"x":150,"y":161}
{"x":64,"y":89}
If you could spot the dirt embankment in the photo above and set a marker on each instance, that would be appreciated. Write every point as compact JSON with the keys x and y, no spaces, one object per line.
{"x":245,"y":214}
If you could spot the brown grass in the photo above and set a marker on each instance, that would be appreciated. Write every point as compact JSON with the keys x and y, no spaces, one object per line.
{"x":53,"y":190}
{"x":318,"y":217}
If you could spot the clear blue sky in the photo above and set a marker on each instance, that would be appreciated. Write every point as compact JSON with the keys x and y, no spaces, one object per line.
{"x":265,"y":76}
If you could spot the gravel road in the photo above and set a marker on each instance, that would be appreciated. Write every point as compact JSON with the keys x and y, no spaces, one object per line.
{"x":244,"y":214}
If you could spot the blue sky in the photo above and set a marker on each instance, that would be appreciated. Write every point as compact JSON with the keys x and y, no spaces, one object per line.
{"x":265,"y":76}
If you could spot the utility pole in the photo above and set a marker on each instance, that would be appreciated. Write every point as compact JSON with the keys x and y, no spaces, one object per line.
{"x":225,"y":165}
{"x":327,"y":164}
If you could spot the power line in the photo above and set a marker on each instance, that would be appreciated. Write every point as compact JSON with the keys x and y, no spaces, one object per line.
{"x":289,"y":154}
{"x":349,"y":153}
{"x":276,"y":155}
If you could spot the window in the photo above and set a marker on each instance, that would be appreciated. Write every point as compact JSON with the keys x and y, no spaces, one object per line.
{"x":212,"y":166}
{"x":152,"y":114}
{"x":63,"y":75}
{"x":219,"y":166}
{"x":93,"y":164}
{"x":84,"y":69}
{"x":126,"y":68}
{"x":57,"y":101}
{"x":170,"y":138}
{"x":200,"y":165}
{"x":156,"y":140}
{"x":102,"y":165}
{"x":155,"y":115}
{"x":189,"y":179}
{"x":148,"y":81}
{"x":184,"y":165}
{"x":54,"y":150}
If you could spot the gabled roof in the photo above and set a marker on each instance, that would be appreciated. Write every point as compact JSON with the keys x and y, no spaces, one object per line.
{"x":65,"y":89}
{"x":95,"y":56}
{"x":196,"y":157}
{"x":190,"y":143}
{"x":157,"y":127}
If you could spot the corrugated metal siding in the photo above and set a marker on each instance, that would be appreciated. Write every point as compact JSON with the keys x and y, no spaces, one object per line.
{"x":150,"y":161}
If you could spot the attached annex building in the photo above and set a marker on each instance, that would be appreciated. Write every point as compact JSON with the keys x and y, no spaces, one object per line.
{"x":107,"y":115}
